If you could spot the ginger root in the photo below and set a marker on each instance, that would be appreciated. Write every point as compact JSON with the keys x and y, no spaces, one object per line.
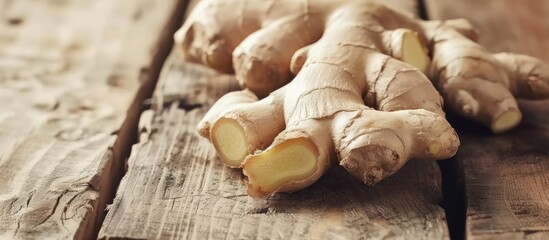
{"x":480,"y":85}
{"x":359,"y":98}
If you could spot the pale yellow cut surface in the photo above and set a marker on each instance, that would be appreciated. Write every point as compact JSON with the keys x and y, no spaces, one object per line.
{"x":413,"y":53}
{"x":230,"y":141}
{"x":293,"y":160}
{"x":506,"y":121}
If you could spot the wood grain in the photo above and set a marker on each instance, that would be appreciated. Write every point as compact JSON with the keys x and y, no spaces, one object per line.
{"x":69,"y":71}
{"x":506,"y":175}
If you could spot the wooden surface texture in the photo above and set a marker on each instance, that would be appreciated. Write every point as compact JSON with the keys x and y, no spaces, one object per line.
{"x":69,"y":71}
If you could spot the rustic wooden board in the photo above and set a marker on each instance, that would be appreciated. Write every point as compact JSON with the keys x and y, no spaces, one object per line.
{"x":69,"y":71}
{"x":506,"y":175}
{"x":176,"y":187}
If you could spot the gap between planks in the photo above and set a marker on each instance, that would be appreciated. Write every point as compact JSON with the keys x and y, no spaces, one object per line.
{"x":454,"y":200}
{"x":128,"y":132}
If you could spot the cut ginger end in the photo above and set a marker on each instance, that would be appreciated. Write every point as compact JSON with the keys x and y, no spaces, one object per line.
{"x":230,"y":142}
{"x":414,"y":53}
{"x":506,"y":121}
{"x":294,"y":160}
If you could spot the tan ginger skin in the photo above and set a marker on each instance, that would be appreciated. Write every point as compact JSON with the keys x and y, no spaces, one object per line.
{"x":358,"y":95}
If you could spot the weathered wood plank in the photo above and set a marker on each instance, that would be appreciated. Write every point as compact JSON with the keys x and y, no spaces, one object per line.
{"x":506,"y":175}
{"x":69,"y":71}
{"x":176,"y":187}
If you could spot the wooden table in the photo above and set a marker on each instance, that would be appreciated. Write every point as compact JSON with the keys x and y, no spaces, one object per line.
{"x":98,"y":140}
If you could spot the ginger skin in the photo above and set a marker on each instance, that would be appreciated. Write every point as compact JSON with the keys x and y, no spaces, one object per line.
{"x":360,"y":97}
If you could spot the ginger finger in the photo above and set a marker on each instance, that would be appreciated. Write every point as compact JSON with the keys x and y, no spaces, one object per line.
{"x":373,"y":144}
{"x":244,"y":126}
{"x":495,"y":108}
{"x":529,"y":76}
{"x":297,"y":158}
{"x":405,"y":45}
{"x":226,"y":103}
{"x":473,"y":82}
{"x":262,"y":60}
{"x":398,"y":86}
